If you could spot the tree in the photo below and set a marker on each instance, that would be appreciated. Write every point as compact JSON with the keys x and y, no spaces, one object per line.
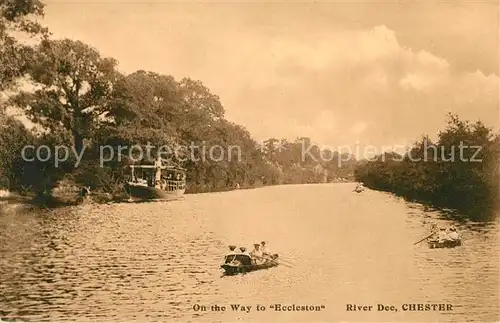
{"x":13,"y":137}
{"x":16,"y":16}
{"x":75,"y":88}
{"x":146,"y":109}
{"x":199,"y":97}
{"x":444,"y":174}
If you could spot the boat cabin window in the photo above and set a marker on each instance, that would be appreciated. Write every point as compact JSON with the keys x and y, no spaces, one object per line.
{"x":141,"y":176}
{"x":171,"y":179}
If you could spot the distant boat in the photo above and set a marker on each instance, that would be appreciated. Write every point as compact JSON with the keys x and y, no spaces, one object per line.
{"x":156,"y":182}
{"x":360,"y":188}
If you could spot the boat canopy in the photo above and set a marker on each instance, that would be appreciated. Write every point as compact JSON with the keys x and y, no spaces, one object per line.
{"x":154,"y":167}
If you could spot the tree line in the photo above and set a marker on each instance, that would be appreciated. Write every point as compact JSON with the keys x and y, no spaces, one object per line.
{"x":459,"y":171}
{"x":76,"y":97}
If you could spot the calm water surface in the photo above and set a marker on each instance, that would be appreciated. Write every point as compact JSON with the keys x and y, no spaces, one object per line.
{"x":155,"y":261}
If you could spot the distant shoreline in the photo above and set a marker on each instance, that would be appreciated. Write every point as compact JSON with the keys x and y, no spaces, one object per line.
{"x":194,"y":190}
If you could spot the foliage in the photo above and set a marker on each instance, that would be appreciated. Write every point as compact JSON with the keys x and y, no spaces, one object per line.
{"x":443,"y":173}
{"x":79,"y":98}
{"x":16,"y":16}
{"x":75,"y":88}
{"x":13,"y":137}
{"x":29,"y":171}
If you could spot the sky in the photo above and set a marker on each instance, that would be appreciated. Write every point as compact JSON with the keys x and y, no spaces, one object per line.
{"x":341,"y":73}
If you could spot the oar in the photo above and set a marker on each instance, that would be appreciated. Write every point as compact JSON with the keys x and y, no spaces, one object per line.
{"x":280,"y":263}
{"x":284,"y":260}
{"x":274,"y":260}
{"x":430,"y":235}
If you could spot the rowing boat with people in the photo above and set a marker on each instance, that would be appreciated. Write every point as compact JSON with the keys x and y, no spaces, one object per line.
{"x":237,"y":267}
{"x":442,"y":239}
{"x":435,"y":244}
{"x":238,"y":262}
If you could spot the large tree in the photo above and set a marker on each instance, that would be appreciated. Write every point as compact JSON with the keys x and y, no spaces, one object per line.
{"x":147,"y":111}
{"x":75,"y":88}
{"x":16,"y":16}
{"x":157,"y":109}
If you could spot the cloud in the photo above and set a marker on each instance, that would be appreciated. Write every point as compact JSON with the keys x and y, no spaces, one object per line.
{"x":320,"y":70}
{"x":353,"y":75}
{"x":358,"y":127}
{"x":427,"y":59}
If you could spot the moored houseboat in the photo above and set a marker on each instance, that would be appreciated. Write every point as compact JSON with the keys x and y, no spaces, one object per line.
{"x":156,"y":182}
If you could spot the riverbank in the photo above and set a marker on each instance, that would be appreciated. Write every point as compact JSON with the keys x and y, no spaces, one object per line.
{"x":11,"y":207}
{"x":66,"y":199}
{"x":10,"y":201}
{"x":14,"y":200}
{"x":479,"y":212}
{"x":18,"y":204}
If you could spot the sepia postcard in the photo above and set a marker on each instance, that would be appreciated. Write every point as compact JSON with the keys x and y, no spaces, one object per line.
{"x":249,"y":161}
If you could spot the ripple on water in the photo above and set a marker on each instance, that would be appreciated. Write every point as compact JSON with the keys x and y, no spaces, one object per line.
{"x":154,"y":261}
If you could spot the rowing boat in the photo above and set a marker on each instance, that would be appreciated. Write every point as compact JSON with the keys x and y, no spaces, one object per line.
{"x":236,"y":267}
{"x":434,"y":244}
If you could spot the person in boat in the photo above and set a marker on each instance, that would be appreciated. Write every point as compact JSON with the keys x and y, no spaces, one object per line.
{"x":257,"y":255}
{"x":243,"y":251}
{"x":442,"y":236}
{"x":453,"y":235}
{"x":231,"y":254}
{"x":359,"y":188}
{"x":242,"y":258}
{"x":264,"y":249}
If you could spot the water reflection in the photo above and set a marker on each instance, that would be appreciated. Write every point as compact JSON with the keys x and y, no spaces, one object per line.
{"x":155,"y":261}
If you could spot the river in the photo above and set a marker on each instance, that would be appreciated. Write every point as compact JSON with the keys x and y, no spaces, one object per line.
{"x":160,"y":261}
